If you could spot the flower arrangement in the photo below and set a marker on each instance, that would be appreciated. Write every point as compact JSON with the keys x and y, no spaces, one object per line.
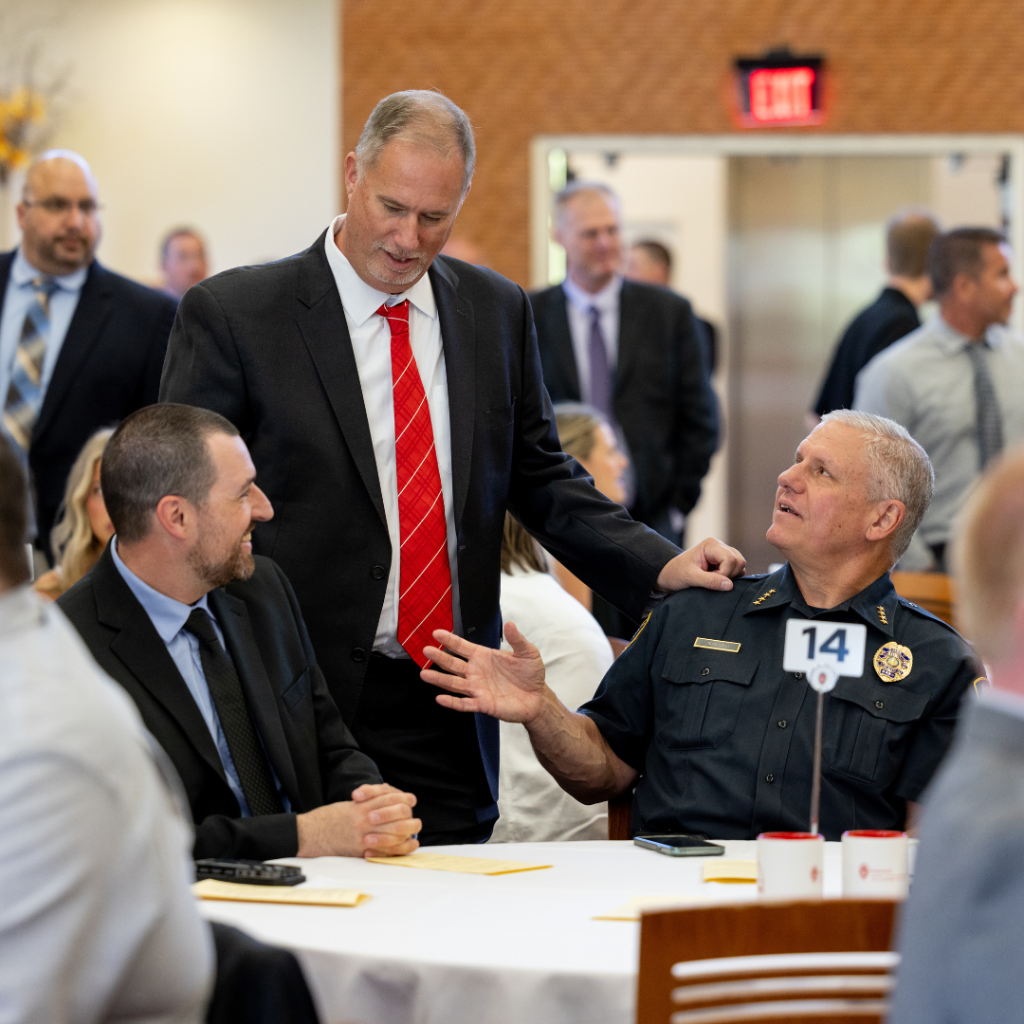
{"x":22,"y":116}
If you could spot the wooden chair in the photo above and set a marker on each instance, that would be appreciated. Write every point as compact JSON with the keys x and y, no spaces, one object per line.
{"x":933,"y":591}
{"x":822,"y":961}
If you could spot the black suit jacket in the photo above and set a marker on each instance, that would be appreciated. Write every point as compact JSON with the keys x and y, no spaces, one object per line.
{"x":109,"y":366}
{"x":313,"y":754}
{"x":663,"y":398}
{"x":268,"y":347}
{"x":890,"y":317}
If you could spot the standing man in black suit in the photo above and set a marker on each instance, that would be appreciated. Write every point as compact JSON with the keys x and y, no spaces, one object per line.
{"x":80,"y":347}
{"x":632,"y":350}
{"x":893,"y":315}
{"x":394,"y":407}
{"x":210,"y":644}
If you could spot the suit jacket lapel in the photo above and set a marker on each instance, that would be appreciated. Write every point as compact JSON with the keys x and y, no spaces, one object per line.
{"x":560,"y":333}
{"x":261,"y":696}
{"x":631,"y":313}
{"x":458,"y":336}
{"x":144,"y":654}
{"x":95,"y":304}
{"x":321,"y":320}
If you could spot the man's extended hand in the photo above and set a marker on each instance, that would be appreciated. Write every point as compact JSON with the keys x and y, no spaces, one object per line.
{"x":504,"y":684}
{"x":376,"y":822}
{"x":709,"y":564}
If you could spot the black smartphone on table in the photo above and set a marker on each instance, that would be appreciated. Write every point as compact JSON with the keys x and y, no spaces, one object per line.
{"x":680,"y":846}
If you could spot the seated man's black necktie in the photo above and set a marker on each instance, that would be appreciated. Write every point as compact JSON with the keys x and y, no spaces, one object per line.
{"x":246,"y":751}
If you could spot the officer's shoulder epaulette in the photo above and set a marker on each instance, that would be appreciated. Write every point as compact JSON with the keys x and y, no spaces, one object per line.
{"x":925,"y":614}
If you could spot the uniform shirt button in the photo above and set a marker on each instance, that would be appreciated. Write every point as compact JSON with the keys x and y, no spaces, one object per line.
{"x":377,"y":572}
{"x":358,"y":654}
{"x":705,"y":671}
{"x":798,"y":675}
{"x":769,"y":778}
{"x":782,"y":723}
{"x":879,"y":705}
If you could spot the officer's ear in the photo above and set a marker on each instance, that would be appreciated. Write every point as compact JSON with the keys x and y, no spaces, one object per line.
{"x":887,"y":516}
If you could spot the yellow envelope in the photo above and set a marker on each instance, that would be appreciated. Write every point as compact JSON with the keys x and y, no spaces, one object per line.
{"x":214,"y":889}
{"x":633,"y":908}
{"x":720,"y":869}
{"x":460,"y":865}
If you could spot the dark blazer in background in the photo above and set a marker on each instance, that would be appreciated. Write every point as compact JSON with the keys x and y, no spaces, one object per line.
{"x":663,"y":398}
{"x":309,"y":747}
{"x":890,"y":317}
{"x":268,"y":347}
{"x":109,"y":366}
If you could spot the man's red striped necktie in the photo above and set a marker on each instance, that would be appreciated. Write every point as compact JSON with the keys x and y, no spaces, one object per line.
{"x":425,"y":581}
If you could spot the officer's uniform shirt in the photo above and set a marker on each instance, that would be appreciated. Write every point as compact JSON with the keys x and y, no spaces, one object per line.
{"x":724,"y":741}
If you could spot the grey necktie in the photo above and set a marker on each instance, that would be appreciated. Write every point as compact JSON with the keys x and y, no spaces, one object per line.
{"x":990,"y":424}
{"x":601,"y":383}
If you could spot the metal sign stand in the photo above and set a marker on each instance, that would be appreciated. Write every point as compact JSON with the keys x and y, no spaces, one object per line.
{"x":822,"y":678}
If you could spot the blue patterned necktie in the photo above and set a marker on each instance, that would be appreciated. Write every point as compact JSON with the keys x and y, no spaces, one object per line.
{"x":24,"y":393}
{"x":990,"y":422}
{"x":601,"y":377}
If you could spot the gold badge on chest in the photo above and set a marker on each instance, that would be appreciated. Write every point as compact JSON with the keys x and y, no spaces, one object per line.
{"x":893,"y":662}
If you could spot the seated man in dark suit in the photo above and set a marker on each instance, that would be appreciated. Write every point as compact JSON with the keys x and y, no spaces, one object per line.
{"x":698,"y":713}
{"x":210,"y":643}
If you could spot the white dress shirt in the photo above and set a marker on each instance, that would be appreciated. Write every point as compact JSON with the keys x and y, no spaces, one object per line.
{"x":533,"y":808}
{"x":371,"y":345}
{"x":606,"y":301}
{"x":18,"y":298}
{"x":97,"y":921}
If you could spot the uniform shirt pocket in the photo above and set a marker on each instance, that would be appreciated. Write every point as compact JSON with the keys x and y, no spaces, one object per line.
{"x":702,"y":693}
{"x":867,"y":727}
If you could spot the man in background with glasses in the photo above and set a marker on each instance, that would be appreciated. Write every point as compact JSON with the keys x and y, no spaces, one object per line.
{"x":80,"y":346}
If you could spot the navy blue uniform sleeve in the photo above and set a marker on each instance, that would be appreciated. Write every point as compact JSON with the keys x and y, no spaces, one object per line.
{"x":946,"y":652}
{"x":623,"y":707}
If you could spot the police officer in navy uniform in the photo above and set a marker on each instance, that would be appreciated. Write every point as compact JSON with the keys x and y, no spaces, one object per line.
{"x":698,"y":713}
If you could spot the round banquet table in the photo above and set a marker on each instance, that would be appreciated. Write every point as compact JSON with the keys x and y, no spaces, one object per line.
{"x":431,"y":947}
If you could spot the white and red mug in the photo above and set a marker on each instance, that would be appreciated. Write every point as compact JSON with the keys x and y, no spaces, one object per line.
{"x":875,"y":864}
{"x":790,"y":865}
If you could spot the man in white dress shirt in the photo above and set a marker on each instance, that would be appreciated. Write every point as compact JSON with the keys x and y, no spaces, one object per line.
{"x":97,"y":922}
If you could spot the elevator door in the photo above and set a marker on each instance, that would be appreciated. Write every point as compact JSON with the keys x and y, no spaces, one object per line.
{"x":805,"y":253}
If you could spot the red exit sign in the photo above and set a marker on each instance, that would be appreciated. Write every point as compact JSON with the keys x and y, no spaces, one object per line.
{"x":780,"y":89}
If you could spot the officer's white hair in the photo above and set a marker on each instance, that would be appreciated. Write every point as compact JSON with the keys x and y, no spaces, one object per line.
{"x":579,"y":187}
{"x":900,"y":470}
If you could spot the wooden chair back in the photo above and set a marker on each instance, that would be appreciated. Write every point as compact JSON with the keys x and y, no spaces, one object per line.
{"x":812,"y":961}
{"x":933,"y":591}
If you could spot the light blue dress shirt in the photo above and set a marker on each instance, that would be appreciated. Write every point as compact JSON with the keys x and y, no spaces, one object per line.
{"x":18,"y":298}
{"x":169,"y":617}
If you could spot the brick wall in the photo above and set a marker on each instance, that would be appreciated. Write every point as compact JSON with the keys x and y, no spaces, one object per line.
{"x":526,"y":67}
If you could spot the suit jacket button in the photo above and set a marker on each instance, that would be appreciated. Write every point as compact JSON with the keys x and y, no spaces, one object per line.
{"x":358,"y":654}
{"x":377,"y":572}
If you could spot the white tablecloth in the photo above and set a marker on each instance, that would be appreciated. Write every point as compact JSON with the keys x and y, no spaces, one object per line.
{"x":437,"y":948}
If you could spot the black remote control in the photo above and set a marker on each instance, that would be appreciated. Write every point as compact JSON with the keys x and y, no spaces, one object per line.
{"x":248,"y":872}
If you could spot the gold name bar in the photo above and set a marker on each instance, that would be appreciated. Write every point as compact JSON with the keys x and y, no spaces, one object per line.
{"x":716,"y":645}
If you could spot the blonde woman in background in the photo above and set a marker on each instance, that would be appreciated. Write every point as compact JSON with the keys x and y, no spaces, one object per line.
{"x":586,"y":435}
{"x":83,"y":526}
{"x":532,"y":807}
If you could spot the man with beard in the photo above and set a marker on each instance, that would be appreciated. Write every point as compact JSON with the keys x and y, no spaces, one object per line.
{"x":209,"y":642}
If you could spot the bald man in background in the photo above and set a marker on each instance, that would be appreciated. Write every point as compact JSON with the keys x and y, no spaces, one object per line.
{"x":80,"y":346}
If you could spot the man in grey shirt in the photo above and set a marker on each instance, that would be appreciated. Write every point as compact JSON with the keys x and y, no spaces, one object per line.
{"x":957,"y":382}
{"x":962,"y":931}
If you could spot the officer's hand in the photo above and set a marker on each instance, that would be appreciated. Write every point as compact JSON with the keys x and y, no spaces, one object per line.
{"x":709,"y":564}
{"x":504,"y":684}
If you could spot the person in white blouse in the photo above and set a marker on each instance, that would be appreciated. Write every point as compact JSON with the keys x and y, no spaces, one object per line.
{"x":532,"y":806}
{"x":97,"y":922}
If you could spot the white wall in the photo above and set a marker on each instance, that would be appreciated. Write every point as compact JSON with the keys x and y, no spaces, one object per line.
{"x":223,"y":114}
